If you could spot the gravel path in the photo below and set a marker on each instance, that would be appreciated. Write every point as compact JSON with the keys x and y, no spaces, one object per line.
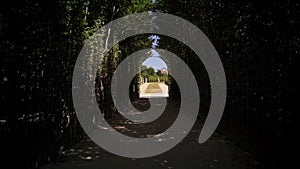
{"x":216,"y":153}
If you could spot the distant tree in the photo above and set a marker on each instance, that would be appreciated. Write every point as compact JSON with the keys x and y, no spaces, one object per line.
{"x":143,"y":67}
{"x":150,"y":71}
{"x":159,"y":73}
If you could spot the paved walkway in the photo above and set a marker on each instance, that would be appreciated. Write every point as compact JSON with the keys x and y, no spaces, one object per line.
{"x":155,"y":89}
{"x":216,"y":153}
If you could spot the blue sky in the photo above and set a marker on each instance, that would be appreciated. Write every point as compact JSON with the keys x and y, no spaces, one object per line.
{"x":155,"y":61}
{"x":155,"y":39}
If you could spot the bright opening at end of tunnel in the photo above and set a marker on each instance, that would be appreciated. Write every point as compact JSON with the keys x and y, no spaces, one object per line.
{"x":153,"y":77}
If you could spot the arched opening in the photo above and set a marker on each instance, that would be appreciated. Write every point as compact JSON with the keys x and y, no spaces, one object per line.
{"x":153,"y":77}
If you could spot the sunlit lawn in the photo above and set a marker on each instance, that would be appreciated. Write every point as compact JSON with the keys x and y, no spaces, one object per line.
{"x":153,"y":88}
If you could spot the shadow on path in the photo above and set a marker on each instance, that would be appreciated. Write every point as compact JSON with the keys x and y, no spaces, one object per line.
{"x":216,"y":153}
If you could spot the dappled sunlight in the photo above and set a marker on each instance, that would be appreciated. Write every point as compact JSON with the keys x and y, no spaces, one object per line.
{"x":84,"y":152}
{"x":144,"y":130}
{"x":147,"y":70}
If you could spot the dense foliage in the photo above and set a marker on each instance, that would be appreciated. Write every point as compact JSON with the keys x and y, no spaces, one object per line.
{"x":40,"y":40}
